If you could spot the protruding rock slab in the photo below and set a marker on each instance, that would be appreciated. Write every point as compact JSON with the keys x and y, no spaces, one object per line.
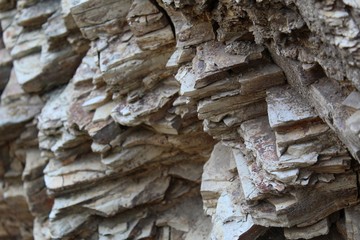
{"x":286,"y":107}
{"x":320,"y":228}
{"x":212,"y":61}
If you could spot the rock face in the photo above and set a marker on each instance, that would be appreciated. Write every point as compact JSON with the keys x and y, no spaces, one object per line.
{"x":173,"y":119}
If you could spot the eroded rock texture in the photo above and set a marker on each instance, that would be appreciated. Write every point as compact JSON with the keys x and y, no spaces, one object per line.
{"x":175,"y":119}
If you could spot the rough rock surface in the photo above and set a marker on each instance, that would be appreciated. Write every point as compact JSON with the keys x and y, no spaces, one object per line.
{"x":175,"y":119}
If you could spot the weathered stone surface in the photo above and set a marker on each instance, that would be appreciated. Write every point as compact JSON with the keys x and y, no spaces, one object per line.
{"x":37,"y":14}
{"x":28,"y":43}
{"x":318,"y":229}
{"x":351,"y":219}
{"x":230,"y":222}
{"x":144,"y":17}
{"x":132,"y":114}
{"x":213,"y":60}
{"x":286,"y":106}
{"x":265,"y":91}
{"x":93,"y":17}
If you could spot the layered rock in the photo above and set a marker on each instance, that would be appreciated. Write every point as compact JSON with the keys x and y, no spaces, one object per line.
{"x":179,"y":119}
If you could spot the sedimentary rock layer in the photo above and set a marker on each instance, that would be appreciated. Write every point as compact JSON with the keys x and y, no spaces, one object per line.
{"x":173,"y":119}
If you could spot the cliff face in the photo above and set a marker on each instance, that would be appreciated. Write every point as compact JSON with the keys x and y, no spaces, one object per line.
{"x":177,"y":119}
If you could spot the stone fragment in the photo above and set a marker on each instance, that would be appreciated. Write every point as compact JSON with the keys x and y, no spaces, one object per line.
{"x":353,"y":100}
{"x":131,"y":114}
{"x":327,"y":100}
{"x":85,"y":72}
{"x":259,"y":138}
{"x":351,"y":218}
{"x":28,"y":71}
{"x":34,"y":165}
{"x":287,"y":217}
{"x":249,"y":189}
{"x":147,"y":190}
{"x":229,"y":222}
{"x":353,"y":122}
{"x":216,"y":175}
{"x":5,"y":67}
{"x":208,"y":107}
{"x":59,"y":177}
{"x":65,"y":226}
{"x":318,"y":229}
{"x":129,"y":158}
{"x":98,"y":17}
{"x":28,"y":43}
{"x":352,"y":3}
{"x":95,"y":100}
{"x":10,"y":35}
{"x":16,"y":114}
{"x":212,"y":61}
{"x":144,"y":17}
{"x":37,"y":14}
{"x":13,"y":90}
{"x":156,"y":39}
{"x":103,"y":112}
{"x":189,"y":31}
{"x":286,"y":107}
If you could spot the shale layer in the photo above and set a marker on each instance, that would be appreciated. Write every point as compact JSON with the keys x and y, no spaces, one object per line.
{"x":180,"y":120}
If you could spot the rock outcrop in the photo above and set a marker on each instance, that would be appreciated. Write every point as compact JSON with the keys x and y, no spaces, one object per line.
{"x":174,"y":119}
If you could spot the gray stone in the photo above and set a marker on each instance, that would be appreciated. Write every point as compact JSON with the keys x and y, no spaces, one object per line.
{"x":286,"y":107}
{"x":318,"y":229}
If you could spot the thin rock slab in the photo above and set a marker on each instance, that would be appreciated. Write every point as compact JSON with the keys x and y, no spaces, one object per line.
{"x":249,"y":189}
{"x":37,"y":14}
{"x":87,"y":168}
{"x":189,"y":31}
{"x":309,"y":198}
{"x":27,"y":43}
{"x":212,"y":61}
{"x":217,"y":175}
{"x":92,"y":12}
{"x":320,"y":228}
{"x":16,"y":114}
{"x":352,"y":216}
{"x":131,"y":114}
{"x":286,"y":107}
{"x":147,"y":190}
{"x":145,"y":17}
{"x":229,"y":220}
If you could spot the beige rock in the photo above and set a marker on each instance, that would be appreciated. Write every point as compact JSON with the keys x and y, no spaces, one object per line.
{"x":28,"y":72}
{"x":28,"y":43}
{"x":59,"y":177}
{"x":131,"y":114}
{"x":318,"y":229}
{"x":286,"y":107}
{"x":87,"y":69}
{"x":352,"y":100}
{"x":156,"y":39}
{"x":146,"y":191}
{"x":189,"y":31}
{"x":37,"y":14}
{"x":216,"y":175}
{"x":144,"y":17}
{"x":229,"y":222}
{"x":13,"y":90}
{"x":103,"y":112}
{"x":93,"y":17}
{"x":248,"y":187}
{"x":34,"y":165}
{"x":212,"y":61}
